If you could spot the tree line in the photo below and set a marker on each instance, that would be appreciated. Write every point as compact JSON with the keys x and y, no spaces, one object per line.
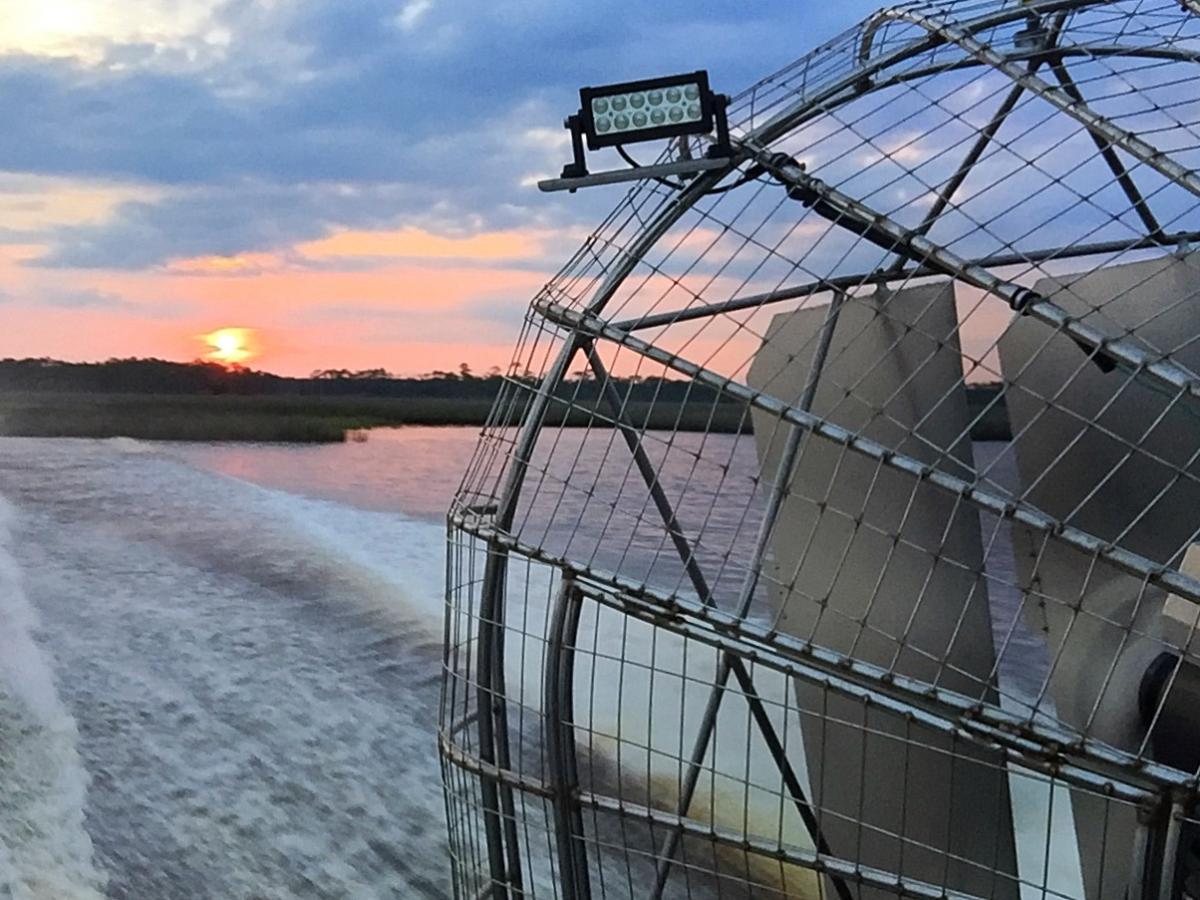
{"x":158,"y":376}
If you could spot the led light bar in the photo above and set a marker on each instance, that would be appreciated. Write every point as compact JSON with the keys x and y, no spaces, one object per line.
{"x":646,"y":110}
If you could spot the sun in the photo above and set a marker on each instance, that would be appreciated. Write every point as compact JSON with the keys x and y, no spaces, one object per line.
{"x":231,"y":346}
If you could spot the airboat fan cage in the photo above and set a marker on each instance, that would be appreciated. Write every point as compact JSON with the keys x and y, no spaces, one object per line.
{"x":833,"y":534}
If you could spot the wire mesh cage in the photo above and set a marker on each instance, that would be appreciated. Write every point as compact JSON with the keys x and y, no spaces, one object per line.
{"x":834,"y":532}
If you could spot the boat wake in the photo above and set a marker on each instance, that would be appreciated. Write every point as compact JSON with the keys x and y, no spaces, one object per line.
{"x":45,"y":851}
{"x":249,"y":676}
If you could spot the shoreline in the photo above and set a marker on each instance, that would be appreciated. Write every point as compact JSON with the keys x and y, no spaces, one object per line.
{"x":296,"y":418}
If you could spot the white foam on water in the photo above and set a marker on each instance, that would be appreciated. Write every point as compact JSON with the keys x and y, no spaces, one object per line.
{"x":45,"y":851}
{"x":255,"y":727}
{"x":402,"y":556}
{"x":129,"y":445}
{"x":394,"y":563}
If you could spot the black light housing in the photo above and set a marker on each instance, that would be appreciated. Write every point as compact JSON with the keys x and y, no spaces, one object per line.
{"x":651,"y":109}
{"x":646,"y":110}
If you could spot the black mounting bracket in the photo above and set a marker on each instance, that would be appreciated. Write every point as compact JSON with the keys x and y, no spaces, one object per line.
{"x":577,"y":168}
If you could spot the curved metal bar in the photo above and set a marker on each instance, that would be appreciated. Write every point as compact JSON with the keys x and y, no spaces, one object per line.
{"x":895,"y":13}
{"x":1081,"y":112}
{"x":1166,"y":883}
{"x":500,"y":824}
{"x":871,"y":26}
{"x":500,"y":830}
{"x":1090,"y":51}
{"x":558,"y":722}
{"x":1140,"y":862}
{"x":1071,"y":51}
{"x":858,"y":81}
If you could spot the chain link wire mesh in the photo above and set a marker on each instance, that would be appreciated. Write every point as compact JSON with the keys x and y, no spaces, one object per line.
{"x":833,"y":534}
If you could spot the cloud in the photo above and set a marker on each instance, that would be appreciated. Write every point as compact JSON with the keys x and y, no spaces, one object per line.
{"x":84,"y":299}
{"x":247,"y":264}
{"x":221,"y":220}
{"x":416,"y":243}
{"x":327,"y":221}
{"x":411,"y":14}
{"x":269,"y":124}
{"x":91,"y":299}
{"x":87,"y":29}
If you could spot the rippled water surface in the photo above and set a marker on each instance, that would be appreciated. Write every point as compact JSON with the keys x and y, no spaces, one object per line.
{"x":246,"y":684}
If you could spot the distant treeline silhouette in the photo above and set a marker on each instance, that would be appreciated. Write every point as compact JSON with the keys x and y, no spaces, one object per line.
{"x":158,"y":376}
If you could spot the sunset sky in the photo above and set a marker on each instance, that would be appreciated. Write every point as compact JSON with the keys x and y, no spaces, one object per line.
{"x":352,"y":179}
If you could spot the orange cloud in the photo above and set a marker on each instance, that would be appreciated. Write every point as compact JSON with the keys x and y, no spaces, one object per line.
{"x":37,"y":202}
{"x":224,"y":265}
{"x":418,"y":244}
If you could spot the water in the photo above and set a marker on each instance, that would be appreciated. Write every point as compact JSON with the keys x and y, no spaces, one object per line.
{"x":232,"y":691}
{"x":219,"y":665}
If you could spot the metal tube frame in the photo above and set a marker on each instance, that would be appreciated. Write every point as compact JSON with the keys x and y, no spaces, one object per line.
{"x":946,"y":194}
{"x":1045,"y":761}
{"x":500,"y":824}
{"x":1112,"y":134}
{"x":885,"y":232}
{"x":1170,"y":852}
{"x":1040,"y":747}
{"x":827,"y":864}
{"x":558,"y":723}
{"x":494,"y":756}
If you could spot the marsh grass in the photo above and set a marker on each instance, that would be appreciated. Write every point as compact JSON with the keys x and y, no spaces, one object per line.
{"x":169,"y":417}
{"x":307,"y":419}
